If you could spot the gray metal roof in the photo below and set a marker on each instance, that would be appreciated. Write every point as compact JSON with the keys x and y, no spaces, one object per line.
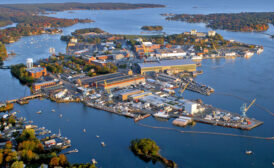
{"x":166,"y":63}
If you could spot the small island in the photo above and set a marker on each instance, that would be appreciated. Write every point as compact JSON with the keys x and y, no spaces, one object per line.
{"x":239,"y":22}
{"x":148,"y":150}
{"x":152,"y":28}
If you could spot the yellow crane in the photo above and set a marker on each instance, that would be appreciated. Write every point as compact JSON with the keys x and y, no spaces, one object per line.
{"x":215,"y":48}
{"x":144,"y":47}
{"x":182,"y":91}
{"x":244,"y":109}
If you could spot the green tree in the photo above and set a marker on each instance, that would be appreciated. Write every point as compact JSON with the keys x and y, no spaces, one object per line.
{"x":17,"y":164}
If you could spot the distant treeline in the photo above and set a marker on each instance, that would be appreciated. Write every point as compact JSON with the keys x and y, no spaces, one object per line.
{"x":152,"y":28}
{"x":77,"y":6}
{"x":245,"y":22}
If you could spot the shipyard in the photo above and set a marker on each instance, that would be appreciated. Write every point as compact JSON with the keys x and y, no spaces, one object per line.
{"x":136,"y":81}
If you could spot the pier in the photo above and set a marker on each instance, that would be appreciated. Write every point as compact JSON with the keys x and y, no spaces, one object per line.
{"x":25,"y":98}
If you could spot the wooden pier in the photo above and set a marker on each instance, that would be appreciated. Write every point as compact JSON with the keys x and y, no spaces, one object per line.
{"x":25,"y":98}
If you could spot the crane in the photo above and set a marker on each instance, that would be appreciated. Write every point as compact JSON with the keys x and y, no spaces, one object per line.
{"x":108,"y":91}
{"x":182,"y":91}
{"x":244,"y":109}
{"x":215,"y":48}
{"x":145,"y":49}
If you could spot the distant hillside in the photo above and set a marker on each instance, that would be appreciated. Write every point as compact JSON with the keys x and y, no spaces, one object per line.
{"x":244,"y":22}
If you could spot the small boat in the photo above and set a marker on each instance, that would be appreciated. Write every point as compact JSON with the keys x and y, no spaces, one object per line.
{"x":97,"y":136}
{"x":248,"y":152}
{"x":103,"y":144}
{"x":61,"y":115}
{"x":84,"y":130}
{"x":53,"y":110}
{"x":39,"y":112}
{"x":272,"y":163}
{"x":93,"y":161}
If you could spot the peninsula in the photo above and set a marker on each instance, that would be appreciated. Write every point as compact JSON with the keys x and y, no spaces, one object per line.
{"x":242,"y":22}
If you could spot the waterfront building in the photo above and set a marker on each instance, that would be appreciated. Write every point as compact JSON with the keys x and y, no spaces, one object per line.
{"x":174,"y":66}
{"x":113,"y":80}
{"x":40,"y":85}
{"x":125,"y":95}
{"x":211,"y":33}
{"x":139,"y":95}
{"x":193,"y":32}
{"x":37,"y":72}
{"x":168,"y":53}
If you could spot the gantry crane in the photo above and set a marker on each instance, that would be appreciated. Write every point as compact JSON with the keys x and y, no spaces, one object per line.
{"x":244,"y":109}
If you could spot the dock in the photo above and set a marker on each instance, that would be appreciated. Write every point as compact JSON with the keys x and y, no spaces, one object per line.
{"x":254,"y":123}
{"x":139,"y":118}
{"x":25,"y":98}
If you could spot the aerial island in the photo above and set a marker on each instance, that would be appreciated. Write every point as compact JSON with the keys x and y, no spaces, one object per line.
{"x":243,"y":22}
{"x":152,"y":28}
{"x":147,"y":150}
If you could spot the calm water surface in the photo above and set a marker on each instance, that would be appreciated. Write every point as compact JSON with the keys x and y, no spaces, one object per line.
{"x":247,"y":78}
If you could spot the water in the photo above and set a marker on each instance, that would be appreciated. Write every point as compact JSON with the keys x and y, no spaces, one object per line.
{"x":245,"y":78}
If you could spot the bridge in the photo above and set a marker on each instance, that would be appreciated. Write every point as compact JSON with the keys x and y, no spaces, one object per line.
{"x":25,"y":98}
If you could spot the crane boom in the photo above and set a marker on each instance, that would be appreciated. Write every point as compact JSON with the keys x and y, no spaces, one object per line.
{"x":145,"y":50}
{"x":182,"y":91}
{"x":253,"y":101}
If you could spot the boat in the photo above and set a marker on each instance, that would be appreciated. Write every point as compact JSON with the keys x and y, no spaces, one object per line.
{"x":97,"y":136}
{"x":53,"y":110}
{"x":73,"y":151}
{"x":39,"y":112}
{"x":22,"y":102}
{"x":61,"y":115}
{"x":103,"y":144}
{"x":248,"y":54}
{"x":161,"y":115}
{"x":6,"y":106}
{"x":93,"y":161}
{"x":248,"y":152}
{"x":197,"y":58}
{"x":84,"y":130}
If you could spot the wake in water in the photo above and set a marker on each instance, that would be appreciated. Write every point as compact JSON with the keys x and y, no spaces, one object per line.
{"x":208,"y":133}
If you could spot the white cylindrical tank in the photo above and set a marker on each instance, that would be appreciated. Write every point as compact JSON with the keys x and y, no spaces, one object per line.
{"x":29,"y":63}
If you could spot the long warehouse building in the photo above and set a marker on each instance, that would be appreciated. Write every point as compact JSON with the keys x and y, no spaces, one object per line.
{"x":174,"y":66}
{"x":109,"y":81}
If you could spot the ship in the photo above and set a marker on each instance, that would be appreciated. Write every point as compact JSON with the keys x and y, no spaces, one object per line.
{"x":6,"y":106}
{"x":248,"y":54}
{"x":260,"y":50}
{"x":163,"y":115}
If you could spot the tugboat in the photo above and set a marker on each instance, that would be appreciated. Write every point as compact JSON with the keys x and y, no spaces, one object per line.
{"x":248,"y":152}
